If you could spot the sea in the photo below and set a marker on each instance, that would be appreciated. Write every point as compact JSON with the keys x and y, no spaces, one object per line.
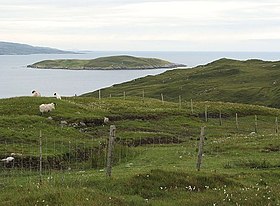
{"x":18,"y":80}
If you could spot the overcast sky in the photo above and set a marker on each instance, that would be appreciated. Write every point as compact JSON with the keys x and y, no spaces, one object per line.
{"x":177,"y":25}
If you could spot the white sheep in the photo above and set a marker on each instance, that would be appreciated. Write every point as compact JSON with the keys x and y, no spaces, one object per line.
{"x":106,"y":120}
{"x":57,"y":96}
{"x":16,"y":154}
{"x":8,"y":159}
{"x":36,"y":93}
{"x":46,"y":107}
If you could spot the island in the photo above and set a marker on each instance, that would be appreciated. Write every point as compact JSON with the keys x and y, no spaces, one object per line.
{"x":123,"y":62}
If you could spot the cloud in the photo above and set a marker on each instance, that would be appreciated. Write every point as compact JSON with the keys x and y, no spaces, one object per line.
{"x":148,"y":25}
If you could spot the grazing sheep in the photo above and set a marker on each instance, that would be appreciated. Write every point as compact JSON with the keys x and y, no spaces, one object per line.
{"x":57,"y":96}
{"x":16,"y":154}
{"x":106,"y":120}
{"x":8,"y":159}
{"x":36,"y":93}
{"x":46,"y":107}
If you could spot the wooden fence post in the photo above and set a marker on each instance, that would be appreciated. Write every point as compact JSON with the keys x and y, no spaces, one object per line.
{"x":191,"y":106}
{"x":69,"y":151}
{"x":220,"y":117}
{"x":205,"y":114}
{"x":40,"y":158}
{"x":276,"y":125}
{"x":236,"y":121}
{"x":200,"y":148}
{"x":91,"y":153}
{"x":180,"y":102}
{"x":110,"y":150}
{"x":143,"y":96}
{"x":256,"y":124}
{"x":124,"y":95}
{"x":162,"y":100}
{"x":99,"y":94}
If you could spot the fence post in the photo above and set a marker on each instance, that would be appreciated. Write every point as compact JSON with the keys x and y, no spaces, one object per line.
{"x":256,"y":124}
{"x":205,"y":114}
{"x":110,"y":150}
{"x":91,"y":153}
{"x":162,"y":100}
{"x":69,"y":151}
{"x":40,"y":158}
{"x":236,"y":121}
{"x":124,"y":95}
{"x":220,"y":117}
{"x":85,"y":154}
{"x":143,"y":96}
{"x":276,"y":125}
{"x":191,"y":106}
{"x":200,"y":148}
{"x":180,"y":102}
{"x":99,"y":94}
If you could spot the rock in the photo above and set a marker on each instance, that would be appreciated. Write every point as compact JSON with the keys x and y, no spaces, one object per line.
{"x":252,"y":133}
{"x":50,"y":118}
{"x":83,"y":124}
{"x":74,"y":125}
{"x":63,"y":122}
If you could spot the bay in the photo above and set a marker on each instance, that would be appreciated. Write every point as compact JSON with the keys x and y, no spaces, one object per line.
{"x":18,"y":80}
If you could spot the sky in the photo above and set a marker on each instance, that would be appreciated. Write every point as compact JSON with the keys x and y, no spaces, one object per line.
{"x":142,"y":25}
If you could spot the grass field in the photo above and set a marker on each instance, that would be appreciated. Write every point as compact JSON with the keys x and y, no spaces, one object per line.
{"x":154,"y":158}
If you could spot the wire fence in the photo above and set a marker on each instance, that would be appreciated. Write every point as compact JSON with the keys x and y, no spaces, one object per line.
{"x":54,"y":156}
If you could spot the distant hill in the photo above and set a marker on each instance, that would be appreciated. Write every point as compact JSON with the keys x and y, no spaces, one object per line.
{"x":7,"y":48}
{"x":105,"y":63}
{"x":251,"y":81}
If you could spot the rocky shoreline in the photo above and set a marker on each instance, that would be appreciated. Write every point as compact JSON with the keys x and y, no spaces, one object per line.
{"x":167,"y":66}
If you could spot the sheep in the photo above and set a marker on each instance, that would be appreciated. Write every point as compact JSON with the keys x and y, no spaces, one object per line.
{"x":46,"y":107}
{"x":8,"y":159}
{"x":106,"y":120}
{"x":36,"y":93}
{"x":16,"y":154}
{"x":57,"y":95}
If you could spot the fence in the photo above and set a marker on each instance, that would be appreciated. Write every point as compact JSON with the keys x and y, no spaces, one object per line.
{"x":47,"y":157}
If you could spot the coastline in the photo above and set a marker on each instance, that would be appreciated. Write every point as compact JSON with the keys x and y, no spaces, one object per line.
{"x":112,"y":68}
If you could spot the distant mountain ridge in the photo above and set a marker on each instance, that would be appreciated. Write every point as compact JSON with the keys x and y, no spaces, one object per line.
{"x":9,"y":48}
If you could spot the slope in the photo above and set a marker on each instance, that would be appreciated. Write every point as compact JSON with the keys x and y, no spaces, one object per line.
{"x":251,"y":82}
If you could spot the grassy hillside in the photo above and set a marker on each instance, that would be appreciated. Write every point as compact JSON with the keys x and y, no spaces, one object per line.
{"x":252,"y":82}
{"x":154,"y":156}
{"x":105,"y":63}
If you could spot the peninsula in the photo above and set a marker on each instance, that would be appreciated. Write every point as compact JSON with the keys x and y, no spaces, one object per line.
{"x":10,"y":48}
{"x":106,"y":63}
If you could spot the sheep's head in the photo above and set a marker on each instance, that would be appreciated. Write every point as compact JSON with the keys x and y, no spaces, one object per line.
{"x":53,"y":105}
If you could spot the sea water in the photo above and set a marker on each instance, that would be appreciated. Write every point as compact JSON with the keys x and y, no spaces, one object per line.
{"x":18,"y":80}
